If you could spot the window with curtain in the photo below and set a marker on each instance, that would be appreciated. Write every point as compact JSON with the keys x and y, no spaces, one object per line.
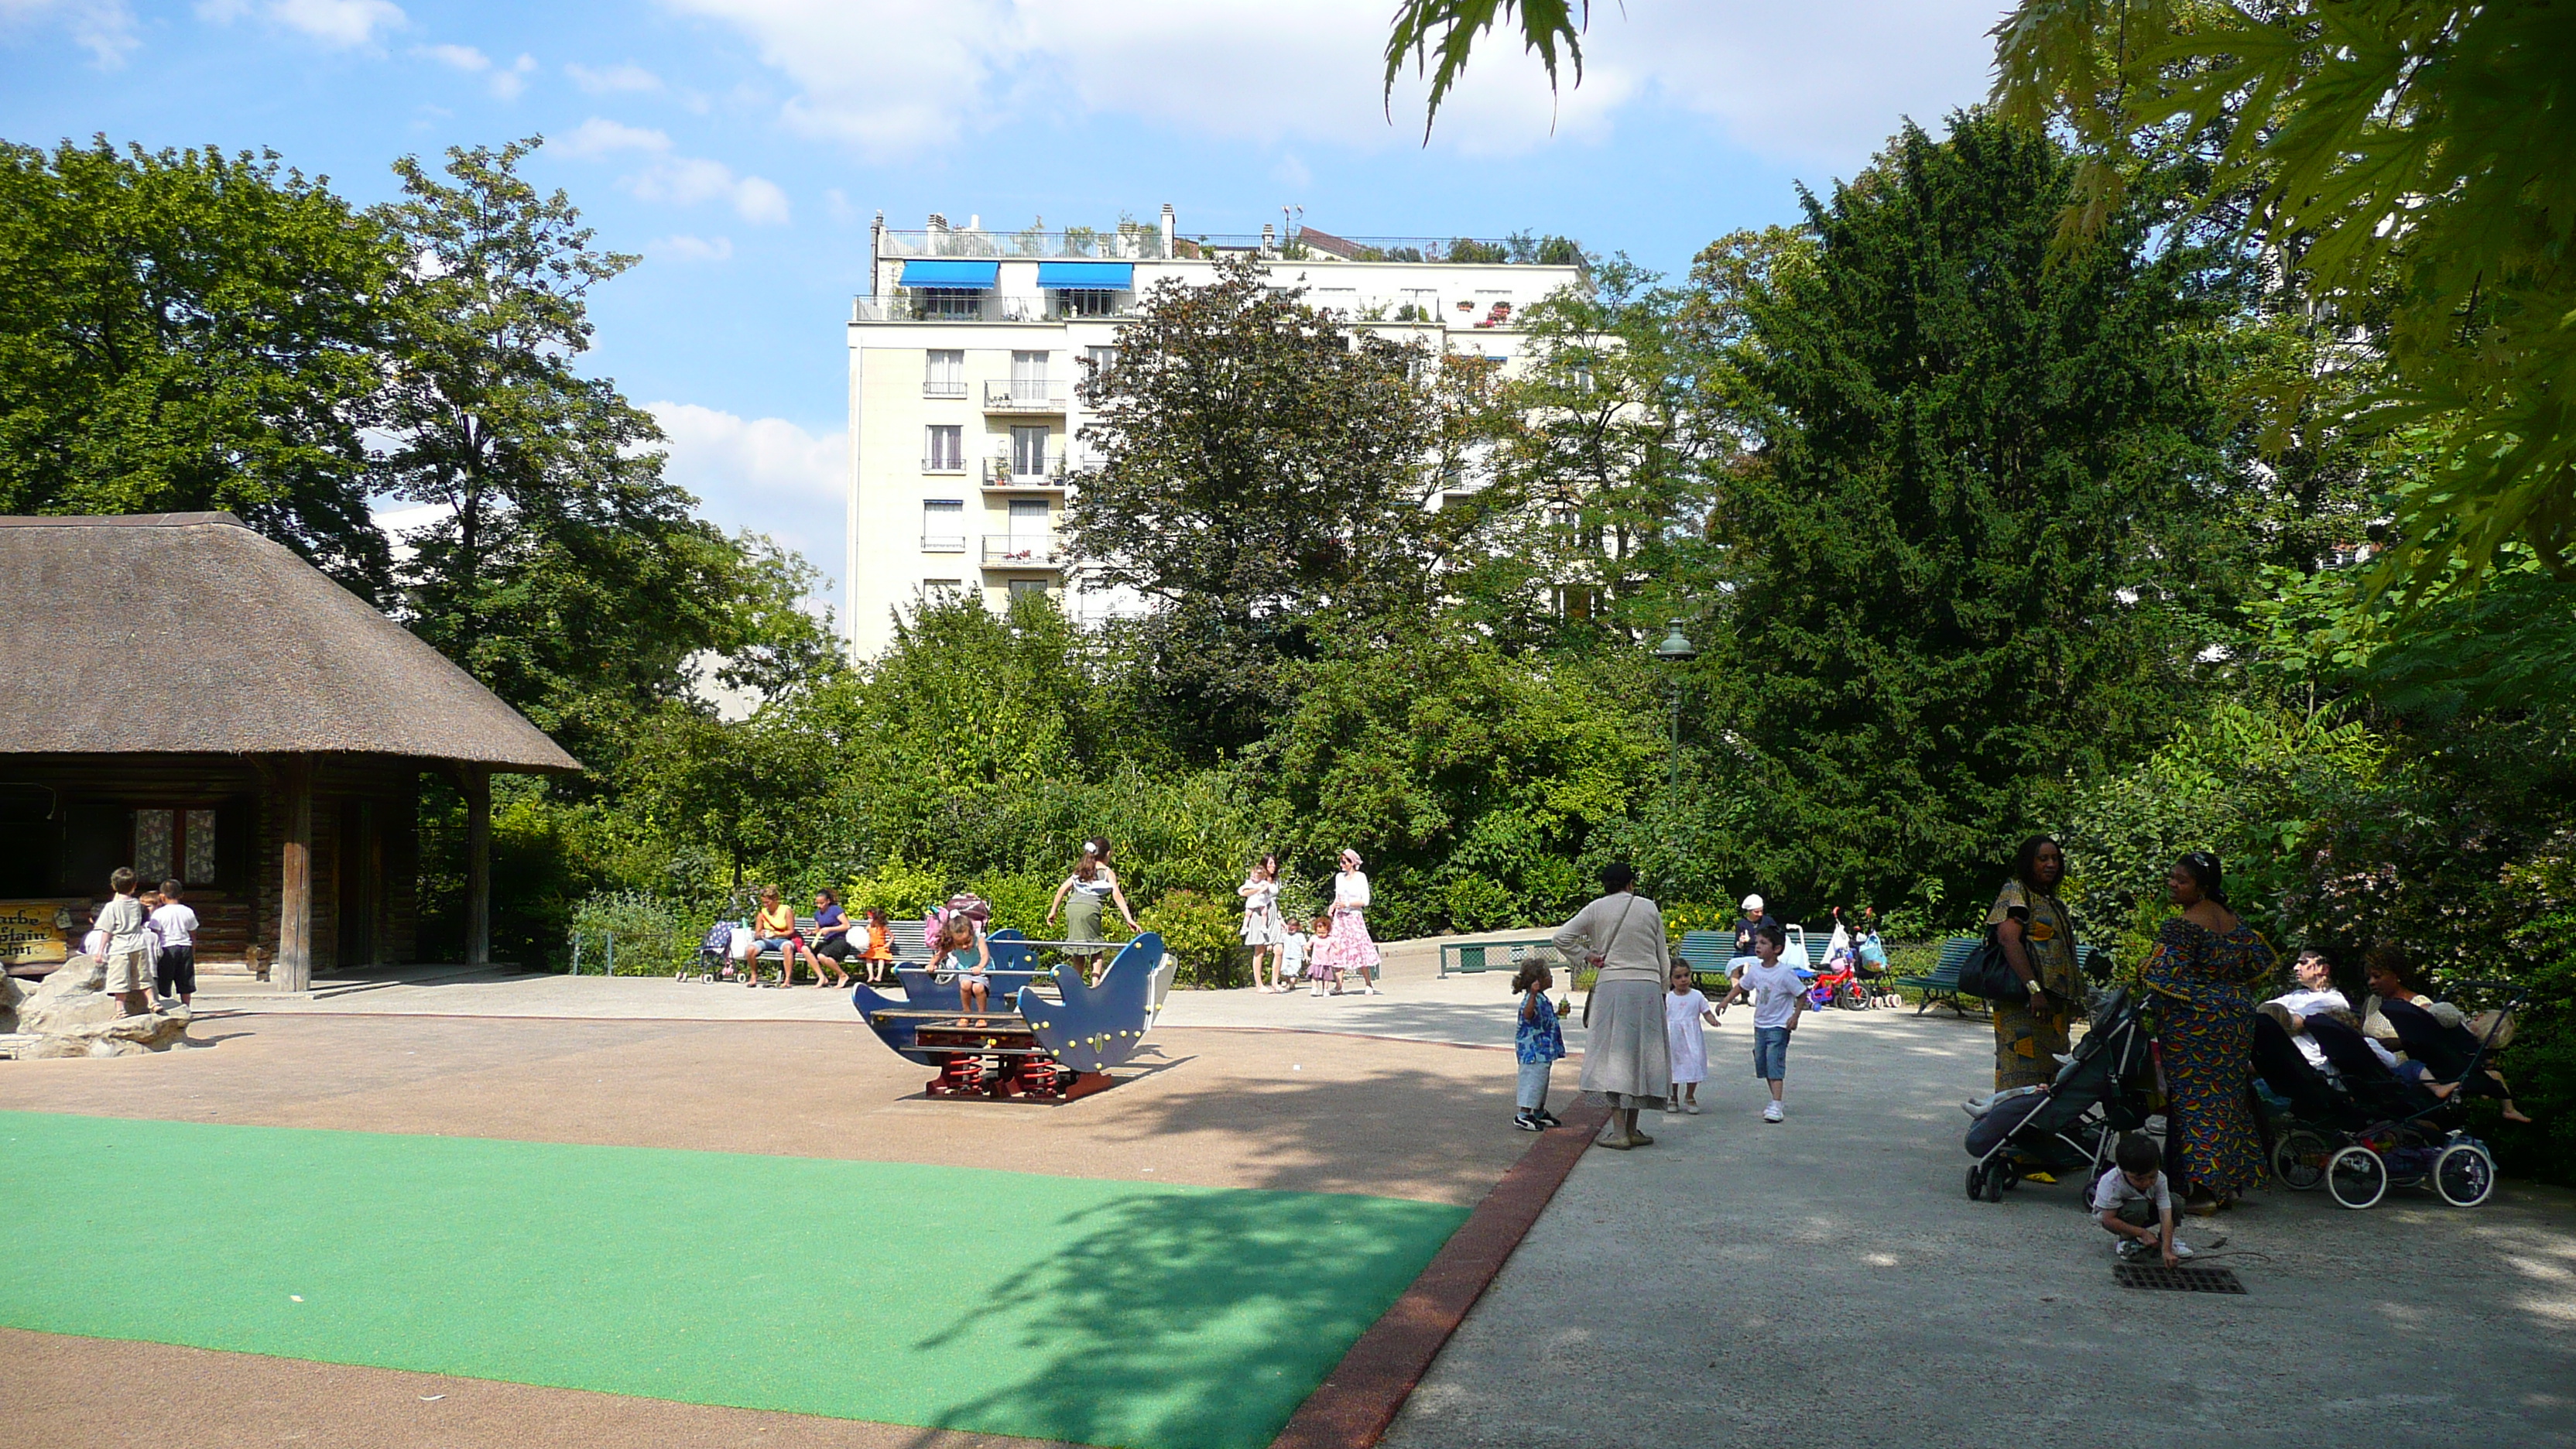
{"x":944,"y":447}
{"x":943,"y":525}
{"x":944,"y":373}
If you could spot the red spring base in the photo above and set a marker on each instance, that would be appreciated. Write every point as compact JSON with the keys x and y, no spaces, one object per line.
{"x":1027,"y":1079}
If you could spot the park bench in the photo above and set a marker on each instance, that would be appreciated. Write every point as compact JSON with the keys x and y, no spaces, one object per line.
{"x":1463,"y":956}
{"x":1940,"y":987}
{"x":1706,"y":953}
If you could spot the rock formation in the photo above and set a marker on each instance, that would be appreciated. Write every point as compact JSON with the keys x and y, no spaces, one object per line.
{"x":69,"y":1016}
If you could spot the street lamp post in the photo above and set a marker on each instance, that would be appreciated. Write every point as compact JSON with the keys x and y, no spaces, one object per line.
{"x":1676,"y":650}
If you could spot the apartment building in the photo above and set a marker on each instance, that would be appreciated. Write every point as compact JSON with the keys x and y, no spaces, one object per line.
{"x":964,"y":414}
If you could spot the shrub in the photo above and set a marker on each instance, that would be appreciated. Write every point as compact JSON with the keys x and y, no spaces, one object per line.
{"x":1200,"y":933}
{"x":651,"y":937}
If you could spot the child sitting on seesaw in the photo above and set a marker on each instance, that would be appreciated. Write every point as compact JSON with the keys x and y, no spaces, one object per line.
{"x":962,"y":950}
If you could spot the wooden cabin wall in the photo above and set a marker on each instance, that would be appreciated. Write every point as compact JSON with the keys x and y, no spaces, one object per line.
{"x":244,"y":906}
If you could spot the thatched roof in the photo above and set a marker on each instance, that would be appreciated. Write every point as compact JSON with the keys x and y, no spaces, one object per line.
{"x":187,"y":633}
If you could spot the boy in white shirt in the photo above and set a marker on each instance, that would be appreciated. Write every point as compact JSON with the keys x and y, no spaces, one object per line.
{"x":174,"y":973}
{"x":129,"y":945}
{"x":1779,"y":996}
{"x":2135,"y":1205}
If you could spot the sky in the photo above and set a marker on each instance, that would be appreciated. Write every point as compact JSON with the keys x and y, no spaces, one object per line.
{"x":742,"y":146}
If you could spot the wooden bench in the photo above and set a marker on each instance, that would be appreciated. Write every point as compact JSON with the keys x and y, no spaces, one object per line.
{"x":1706,"y":954}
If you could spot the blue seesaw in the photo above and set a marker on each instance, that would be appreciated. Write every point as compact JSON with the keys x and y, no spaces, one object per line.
{"x":1030,"y":1045}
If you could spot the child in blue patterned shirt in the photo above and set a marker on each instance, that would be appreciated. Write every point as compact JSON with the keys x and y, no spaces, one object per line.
{"x":1538,"y":1042}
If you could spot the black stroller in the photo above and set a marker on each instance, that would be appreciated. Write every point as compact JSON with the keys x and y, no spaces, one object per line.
{"x":2371,"y":1130}
{"x":2068,"y":1127}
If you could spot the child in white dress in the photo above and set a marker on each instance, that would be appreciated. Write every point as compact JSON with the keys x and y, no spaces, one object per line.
{"x":1319,"y":971}
{"x":1685,"y":1009}
{"x":1292,"y":956}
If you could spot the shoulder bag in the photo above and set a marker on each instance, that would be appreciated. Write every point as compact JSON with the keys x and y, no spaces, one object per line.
{"x":1601,"y":957}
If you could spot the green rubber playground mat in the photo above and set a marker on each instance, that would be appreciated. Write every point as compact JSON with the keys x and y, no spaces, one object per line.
{"x":1164,"y":1317}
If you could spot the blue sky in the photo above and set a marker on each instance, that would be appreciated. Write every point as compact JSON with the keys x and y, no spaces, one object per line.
{"x":742,"y":145}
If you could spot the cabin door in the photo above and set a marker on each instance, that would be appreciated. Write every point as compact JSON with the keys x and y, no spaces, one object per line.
{"x":361,"y":876}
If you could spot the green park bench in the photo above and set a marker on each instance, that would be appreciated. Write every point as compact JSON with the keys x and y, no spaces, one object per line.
{"x":1706,"y":954}
{"x":1940,"y":986}
{"x":1464,"y":956}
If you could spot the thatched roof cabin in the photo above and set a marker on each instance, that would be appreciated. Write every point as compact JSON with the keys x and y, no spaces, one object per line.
{"x":190,"y":698}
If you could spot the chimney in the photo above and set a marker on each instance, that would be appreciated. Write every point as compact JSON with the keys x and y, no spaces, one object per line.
{"x":1269,"y":239}
{"x":1167,"y":228}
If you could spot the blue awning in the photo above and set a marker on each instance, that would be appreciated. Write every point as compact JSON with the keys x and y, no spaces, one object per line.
{"x":980,"y":275}
{"x":1087,"y":276}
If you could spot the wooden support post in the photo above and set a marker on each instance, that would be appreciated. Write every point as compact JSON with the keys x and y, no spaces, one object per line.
{"x":478,"y":865}
{"x":294,"y":969}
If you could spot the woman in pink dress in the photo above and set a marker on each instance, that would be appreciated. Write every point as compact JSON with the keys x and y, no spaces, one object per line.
{"x":1349,"y":948}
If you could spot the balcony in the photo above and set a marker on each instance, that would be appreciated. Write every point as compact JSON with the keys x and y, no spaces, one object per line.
{"x":1022,"y":551}
{"x":1023,"y":395}
{"x":943,"y":543}
{"x":988,"y":307}
{"x":944,"y":389}
{"x":999,"y":474}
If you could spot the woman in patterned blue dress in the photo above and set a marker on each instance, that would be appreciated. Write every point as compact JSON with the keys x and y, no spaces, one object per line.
{"x":2203,"y":971}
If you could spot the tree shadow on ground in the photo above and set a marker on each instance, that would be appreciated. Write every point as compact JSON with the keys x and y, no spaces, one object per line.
{"x":1187,"y":1319}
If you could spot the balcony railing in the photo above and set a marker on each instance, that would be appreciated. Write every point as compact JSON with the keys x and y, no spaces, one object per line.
{"x":1144,"y":243}
{"x":1005,"y":473}
{"x":944,"y":389}
{"x":1022,"y":395}
{"x":1022,"y":551}
{"x":987,"y":307}
{"x":943,"y":543}
{"x":937,"y":464}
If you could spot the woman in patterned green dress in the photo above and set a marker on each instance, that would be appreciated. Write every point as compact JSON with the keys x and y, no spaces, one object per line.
{"x":2039,"y":944}
{"x":2203,"y":971}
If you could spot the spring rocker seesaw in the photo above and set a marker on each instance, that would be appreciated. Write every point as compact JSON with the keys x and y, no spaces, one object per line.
{"x":1030,"y":1046}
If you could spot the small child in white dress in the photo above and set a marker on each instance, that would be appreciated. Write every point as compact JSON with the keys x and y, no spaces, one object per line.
{"x":1685,"y":1009}
{"x":1292,"y":956}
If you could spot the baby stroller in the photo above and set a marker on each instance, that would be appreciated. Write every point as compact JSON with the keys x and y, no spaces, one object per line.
{"x":2374,"y":1129}
{"x":2067,"y":1128}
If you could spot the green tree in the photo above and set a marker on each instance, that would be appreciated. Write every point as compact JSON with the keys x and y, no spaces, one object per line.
{"x":184,"y":330}
{"x":562,"y":569}
{"x":1988,"y":496}
{"x":1260,"y":470}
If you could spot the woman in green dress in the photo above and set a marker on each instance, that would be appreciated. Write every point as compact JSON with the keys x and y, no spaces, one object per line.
{"x":2038,"y":941}
{"x":1083,"y":897}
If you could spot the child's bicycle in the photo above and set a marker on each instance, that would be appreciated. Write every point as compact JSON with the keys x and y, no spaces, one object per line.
{"x":1839,"y":986}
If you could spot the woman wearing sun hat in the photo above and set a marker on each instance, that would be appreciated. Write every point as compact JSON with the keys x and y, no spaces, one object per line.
{"x":1349,"y":948}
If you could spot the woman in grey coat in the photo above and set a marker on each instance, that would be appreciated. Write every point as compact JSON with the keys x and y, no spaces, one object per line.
{"x":1625,"y":1053}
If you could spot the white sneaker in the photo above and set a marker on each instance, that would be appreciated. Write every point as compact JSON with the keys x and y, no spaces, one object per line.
{"x":1692,"y":1107}
{"x":2181,"y":1250}
{"x":1771,"y":1112}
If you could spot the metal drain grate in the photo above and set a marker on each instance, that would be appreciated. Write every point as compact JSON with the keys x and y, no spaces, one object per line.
{"x":2179,"y":1280}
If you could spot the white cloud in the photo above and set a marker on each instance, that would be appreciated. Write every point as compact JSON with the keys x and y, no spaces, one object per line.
{"x":340,"y":24}
{"x":104,"y":28}
{"x":761,"y":473}
{"x":507,"y":84}
{"x":692,"y":249}
{"x":600,"y":136}
{"x":608,"y":80}
{"x":1824,"y":80}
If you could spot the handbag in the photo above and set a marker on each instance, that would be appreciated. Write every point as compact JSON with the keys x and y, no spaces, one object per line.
{"x":1601,"y":958}
{"x":1988,"y":974}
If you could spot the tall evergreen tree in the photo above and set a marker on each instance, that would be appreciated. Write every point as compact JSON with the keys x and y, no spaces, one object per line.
{"x":1987,"y":500}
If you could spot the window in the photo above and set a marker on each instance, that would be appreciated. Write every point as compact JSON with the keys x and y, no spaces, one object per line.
{"x":943,"y":525}
{"x":941,"y":590}
{"x":1418,"y":304}
{"x":951,"y":303}
{"x":1345,"y":300}
{"x":1100,"y":358}
{"x":1575,"y":601}
{"x":943,"y":374}
{"x":944,"y":448}
{"x":1028,"y":586}
{"x":1029,"y":519}
{"x":174,"y":843}
{"x":1029,"y":450}
{"x":1084,"y":302}
{"x":1028,"y":374}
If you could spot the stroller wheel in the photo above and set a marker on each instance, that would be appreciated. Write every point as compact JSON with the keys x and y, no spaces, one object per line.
{"x":1976,"y":1181}
{"x":1995,"y":1183}
{"x":2464,"y":1174}
{"x":2357,"y":1177}
{"x":2299,"y":1159}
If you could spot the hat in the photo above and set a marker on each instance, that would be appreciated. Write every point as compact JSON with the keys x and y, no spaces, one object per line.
{"x":1753,"y":904}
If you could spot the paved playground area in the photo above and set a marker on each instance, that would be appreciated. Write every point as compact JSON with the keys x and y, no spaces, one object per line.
{"x":1823,"y":1281}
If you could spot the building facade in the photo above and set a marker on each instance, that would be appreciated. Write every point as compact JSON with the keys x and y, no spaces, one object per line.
{"x":965,"y":414}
